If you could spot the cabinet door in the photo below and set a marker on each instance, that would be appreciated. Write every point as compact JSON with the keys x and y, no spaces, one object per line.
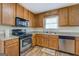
{"x":20,"y":11}
{"x":44,"y":40}
{"x":8,"y":13}
{"x":12,"y":50}
{"x":53,"y":42}
{"x":26,"y":14}
{"x":0,"y":12}
{"x":33,"y":39}
{"x":63,"y":17}
{"x":74,"y":15}
{"x":38,"y":39}
{"x":77,"y":45}
{"x":31,"y":20}
{"x":41,"y":20}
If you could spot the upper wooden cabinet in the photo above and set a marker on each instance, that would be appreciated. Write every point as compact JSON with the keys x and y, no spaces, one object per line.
{"x":63,"y":17}
{"x":19,"y":11}
{"x":74,"y":15}
{"x":26,"y":14}
{"x":8,"y":13}
{"x":31,"y":20}
{"x":0,"y":12}
{"x":39,"y":20}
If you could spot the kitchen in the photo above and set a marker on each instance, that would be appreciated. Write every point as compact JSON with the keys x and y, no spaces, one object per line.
{"x":48,"y":31}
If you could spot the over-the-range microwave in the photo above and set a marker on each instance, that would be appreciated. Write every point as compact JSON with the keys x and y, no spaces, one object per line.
{"x":20,"y":22}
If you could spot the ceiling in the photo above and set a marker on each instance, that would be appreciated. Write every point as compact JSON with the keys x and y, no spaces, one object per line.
{"x":42,"y":7}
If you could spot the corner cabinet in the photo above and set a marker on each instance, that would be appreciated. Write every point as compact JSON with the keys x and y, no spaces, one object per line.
{"x":74,"y":15}
{"x":0,"y":12}
{"x":39,"y":20}
{"x":8,"y":13}
{"x":19,"y":11}
{"x":63,"y":17}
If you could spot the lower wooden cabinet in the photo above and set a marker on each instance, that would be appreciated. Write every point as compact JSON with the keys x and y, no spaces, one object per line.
{"x":49,"y":41}
{"x":12,"y":49}
{"x":77,"y":46}
{"x":33,"y":40}
{"x":1,"y":47}
{"x":44,"y":40}
{"x":39,"y":39}
{"x":53,"y":42}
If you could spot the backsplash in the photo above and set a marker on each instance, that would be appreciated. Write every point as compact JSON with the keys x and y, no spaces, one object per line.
{"x":7,"y":29}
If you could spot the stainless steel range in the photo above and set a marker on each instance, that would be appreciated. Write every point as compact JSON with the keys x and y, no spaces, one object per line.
{"x":25,"y":39}
{"x":25,"y":42}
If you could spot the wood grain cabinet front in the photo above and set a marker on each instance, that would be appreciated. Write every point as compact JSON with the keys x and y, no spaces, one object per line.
{"x":0,"y":12}
{"x":44,"y":40}
{"x":77,"y":46}
{"x":33,"y":39}
{"x":12,"y":47}
{"x":31,"y":20}
{"x":63,"y":17}
{"x":19,"y":11}
{"x":74,"y":15}
{"x":39,"y":20}
{"x":26,"y":14}
{"x":53,"y":42}
{"x":8,"y":13}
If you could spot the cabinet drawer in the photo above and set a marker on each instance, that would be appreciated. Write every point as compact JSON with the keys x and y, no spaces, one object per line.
{"x":16,"y":44}
{"x":8,"y":42}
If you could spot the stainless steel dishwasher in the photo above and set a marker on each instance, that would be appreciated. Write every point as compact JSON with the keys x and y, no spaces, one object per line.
{"x":67,"y":44}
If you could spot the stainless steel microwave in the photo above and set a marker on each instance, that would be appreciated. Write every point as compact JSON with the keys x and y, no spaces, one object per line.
{"x":20,"y":22}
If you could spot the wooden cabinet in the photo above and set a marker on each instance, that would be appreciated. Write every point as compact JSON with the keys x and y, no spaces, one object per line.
{"x":63,"y":17}
{"x":1,"y":47}
{"x":77,"y":45}
{"x":8,"y":13}
{"x":53,"y":41}
{"x":39,"y":39}
{"x":0,"y":12}
{"x":19,"y":11}
{"x":49,"y":41}
{"x":12,"y":47}
{"x":33,"y":39}
{"x":44,"y":40}
{"x":31,"y":20}
{"x":26,"y":14}
{"x":39,"y":20}
{"x":74,"y":15}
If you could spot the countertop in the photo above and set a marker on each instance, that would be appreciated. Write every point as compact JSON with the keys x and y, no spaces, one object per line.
{"x":60,"y":33}
{"x":8,"y":38}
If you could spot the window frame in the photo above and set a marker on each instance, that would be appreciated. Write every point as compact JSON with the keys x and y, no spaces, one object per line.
{"x":44,"y":21}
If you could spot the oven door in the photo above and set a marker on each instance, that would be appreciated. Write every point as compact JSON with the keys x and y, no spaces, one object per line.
{"x":25,"y":43}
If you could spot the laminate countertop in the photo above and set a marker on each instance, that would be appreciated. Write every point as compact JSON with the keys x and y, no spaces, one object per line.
{"x":59,"y":33}
{"x":8,"y":38}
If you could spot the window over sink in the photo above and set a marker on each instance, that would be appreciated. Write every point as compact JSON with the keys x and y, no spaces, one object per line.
{"x":51,"y":22}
